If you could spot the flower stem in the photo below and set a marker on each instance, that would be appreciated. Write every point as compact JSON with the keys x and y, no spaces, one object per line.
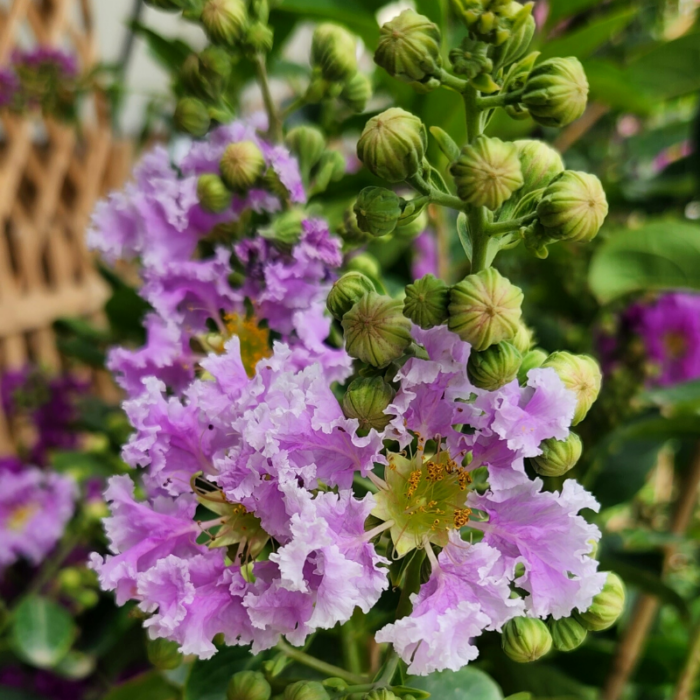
{"x":436,"y":196}
{"x":453,"y":82}
{"x":511,"y":225}
{"x":321,"y":666}
{"x":275,"y":122}
{"x":686,"y":682}
{"x":473,"y":114}
{"x":480,"y":238}
{"x":351,"y":652}
{"x":297,"y":104}
{"x":389,"y":671}
{"x":500,"y":100}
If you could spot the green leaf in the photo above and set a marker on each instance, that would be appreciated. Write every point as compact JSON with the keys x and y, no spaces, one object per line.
{"x":76,"y":665}
{"x":558,"y":9}
{"x":208,"y":679}
{"x":660,"y":255}
{"x":613,"y":85}
{"x":520,"y":696}
{"x":546,"y":681}
{"x":680,"y":398}
{"x":170,"y":53}
{"x":42,"y":631}
{"x":147,"y":686}
{"x":466,"y":684}
{"x":446,"y":143}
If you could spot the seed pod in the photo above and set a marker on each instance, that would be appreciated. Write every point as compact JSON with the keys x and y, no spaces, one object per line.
{"x":366,"y":399}
{"x":556,"y":92}
{"x":192,"y":117}
{"x":494,"y":367}
{"x":224,"y":21}
{"x":487,"y":172}
{"x":376,"y":331}
{"x":607,"y":606}
{"x":567,"y":634}
{"x":357,"y":92}
{"x":377,"y":210}
{"x":526,"y":639}
{"x":427,"y":301}
{"x":346,"y":292}
{"x":213,"y":194}
{"x":485,"y":308}
{"x":531,"y":360}
{"x":305,"y":690}
{"x":248,"y":685}
{"x":558,"y":456}
{"x":393,"y":145}
{"x":242,"y":165}
{"x":333,"y":52}
{"x":580,"y":374}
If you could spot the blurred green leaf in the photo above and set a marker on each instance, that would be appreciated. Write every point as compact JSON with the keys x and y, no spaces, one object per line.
{"x":520,"y":696}
{"x":613,"y":86}
{"x":208,"y":679}
{"x":75,"y":665}
{"x":466,"y":684}
{"x":681,"y":398}
{"x":544,"y":680}
{"x":147,"y":686}
{"x":170,"y":53}
{"x":558,"y":9}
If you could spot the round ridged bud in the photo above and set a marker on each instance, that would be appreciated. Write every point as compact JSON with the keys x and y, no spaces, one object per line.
{"x":366,"y":264}
{"x":241,"y":165}
{"x":383,"y":694}
{"x":366,"y":399}
{"x":556,"y":92}
{"x":393,"y":145}
{"x":531,"y":360}
{"x":285,"y":230}
{"x":357,"y":92}
{"x":526,"y":639}
{"x":213,"y":194}
{"x":485,"y":308}
{"x":192,"y":116}
{"x":215,"y":69}
{"x":305,"y":690}
{"x":333,"y":52}
{"x":350,"y":232}
{"x":523,"y":339}
{"x":580,"y":374}
{"x":307,"y":143}
{"x":259,"y":37}
{"x":573,"y":207}
{"x":567,"y":634}
{"x":224,"y":21}
{"x":248,"y":685}
{"x":376,"y":331}
{"x":377,"y":210}
{"x":427,"y":301}
{"x":607,"y":606}
{"x":409,"y":48}
{"x":494,"y":367}
{"x":539,"y":163}
{"x":487,"y":172}
{"x":558,"y":456}
{"x":346,"y":292}
{"x":163,"y":654}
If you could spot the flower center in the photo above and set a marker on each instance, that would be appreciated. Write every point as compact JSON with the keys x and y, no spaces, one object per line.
{"x":20,"y":516}
{"x":675,"y":344}
{"x":255,"y":341}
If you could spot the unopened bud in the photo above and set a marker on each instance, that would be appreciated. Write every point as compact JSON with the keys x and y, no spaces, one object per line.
{"x":376,"y":331}
{"x":556,"y":91}
{"x":531,"y":360}
{"x":539,"y":163}
{"x":523,"y":339}
{"x":285,"y":230}
{"x":357,"y":92}
{"x":494,"y":367}
{"x":346,"y":292}
{"x":192,"y":117}
{"x":213,"y":194}
{"x":567,"y":634}
{"x":382,"y":694}
{"x":259,"y":37}
{"x":163,"y":654}
{"x":487,"y":172}
{"x":366,"y":264}
{"x":485,"y":308}
{"x":307,"y":143}
{"x":393,"y":145}
{"x":521,"y":34}
{"x":491,"y":21}
{"x":526,"y":639}
{"x":242,"y":165}
{"x":215,"y":69}
{"x":305,"y":690}
{"x":607,"y":606}
{"x":580,"y":374}
{"x":410,"y":227}
{"x":427,"y":301}
{"x":558,"y":456}
{"x":333,"y":52}
{"x":366,"y":399}
{"x":224,"y":21}
{"x":350,"y":232}
{"x":248,"y":685}
{"x":377,"y":210}
{"x":573,"y":207}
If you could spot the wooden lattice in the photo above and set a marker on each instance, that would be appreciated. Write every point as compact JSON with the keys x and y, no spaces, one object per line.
{"x":51,"y":175}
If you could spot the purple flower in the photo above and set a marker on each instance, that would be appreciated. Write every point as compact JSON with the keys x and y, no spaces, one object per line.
{"x":9,"y":87}
{"x":425,"y":255}
{"x":44,"y":58}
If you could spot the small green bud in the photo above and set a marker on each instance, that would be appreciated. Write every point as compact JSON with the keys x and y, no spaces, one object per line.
{"x":410,"y":227}
{"x":248,"y":685}
{"x":357,"y":92}
{"x":491,"y":21}
{"x":556,"y":92}
{"x":427,"y":301}
{"x":376,"y":331}
{"x":607,"y":606}
{"x":192,"y":117}
{"x":409,"y":48}
{"x":393,"y":145}
{"x":531,"y":360}
{"x":382,"y":694}
{"x":573,"y":207}
{"x":366,"y":264}
{"x":485,"y":308}
{"x":163,"y":654}
{"x":366,"y":399}
{"x":558,"y":456}
{"x":523,"y":339}
{"x":213,"y":194}
{"x":580,"y":374}
{"x":346,"y":292}
{"x":487,"y":172}
{"x":242,"y":165}
{"x":285,"y":229}
{"x":567,"y":634}
{"x":350,"y":232}
{"x":539,"y":163}
{"x":526,"y":639}
{"x":521,"y":34}
{"x":494,"y":367}
{"x":259,"y":37}
{"x":224,"y":21}
{"x":377,"y":210}
{"x":305,"y":690}
{"x":215,"y":69}
{"x":333,"y":52}
{"x":307,"y":143}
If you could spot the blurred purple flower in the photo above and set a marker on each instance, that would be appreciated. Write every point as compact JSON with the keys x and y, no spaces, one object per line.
{"x":425,"y":255}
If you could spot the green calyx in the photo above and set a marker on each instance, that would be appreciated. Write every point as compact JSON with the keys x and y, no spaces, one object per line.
{"x":366,"y":400}
{"x":580,"y":374}
{"x":224,"y":21}
{"x":427,"y":301}
{"x":213,"y":194}
{"x":248,"y":685}
{"x":333,"y":52}
{"x":526,"y":639}
{"x":192,"y":117}
{"x":378,"y":211}
{"x":567,"y":634}
{"x":346,"y":292}
{"x":558,"y":456}
{"x":494,"y":367}
{"x":607,"y":606}
{"x":242,"y":165}
{"x":305,"y":690}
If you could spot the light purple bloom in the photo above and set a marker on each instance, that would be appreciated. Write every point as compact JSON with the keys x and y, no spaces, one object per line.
{"x":425,"y":255}
{"x":47,"y":57}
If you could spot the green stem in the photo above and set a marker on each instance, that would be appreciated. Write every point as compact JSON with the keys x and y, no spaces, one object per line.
{"x":473,"y":114}
{"x":688,"y":678}
{"x":321,"y":666}
{"x":511,"y":225}
{"x":453,"y":82}
{"x":275,"y":122}
{"x":293,"y":107}
{"x":435,"y":195}
{"x":389,"y":670}
{"x":351,"y":652}
{"x":364,"y":483}
{"x":480,"y":238}
{"x":411,"y":584}
{"x":500,"y":100}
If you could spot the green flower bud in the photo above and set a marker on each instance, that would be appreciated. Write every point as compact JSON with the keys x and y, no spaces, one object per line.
{"x":366,"y":264}
{"x":248,"y":685}
{"x":531,"y":360}
{"x":409,"y":48}
{"x":494,"y":367}
{"x":487,"y":172}
{"x":471,"y":59}
{"x":393,"y":145}
{"x":523,"y":339}
{"x":285,"y":230}
{"x":346,"y":292}
{"x":485,"y":309}
{"x":539,"y":163}
{"x":556,"y":92}
{"x":192,"y":117}
{"x":333,"y":52}
{"x":383,"y":694}
{"x":526,"y":639}
{"x":573,"y":207}
{"x":490,"y":21}
{"x":305,"y":690}
{"x":242,"y":165}
{"x":408,"y":229}
{"x":357,"y":92}
{"x":376,"y":331}
{"x":426,"y":302}
{"x":224,"y":21}
{"x":213,"y":194}
{"x":215,"y":69}
{"x":567,"y":634}
{"x":607,"y":606}
{"x":259,"y":37}
{"x":581,"y":374}
{"x":521,"y":34}
{"x":377,"y":210}
{"x":163,"y":654}
{"x":558,"y":456}
{"x":307,"y":143}
{"x":366,"y":399}
{"x":350,"y":232}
